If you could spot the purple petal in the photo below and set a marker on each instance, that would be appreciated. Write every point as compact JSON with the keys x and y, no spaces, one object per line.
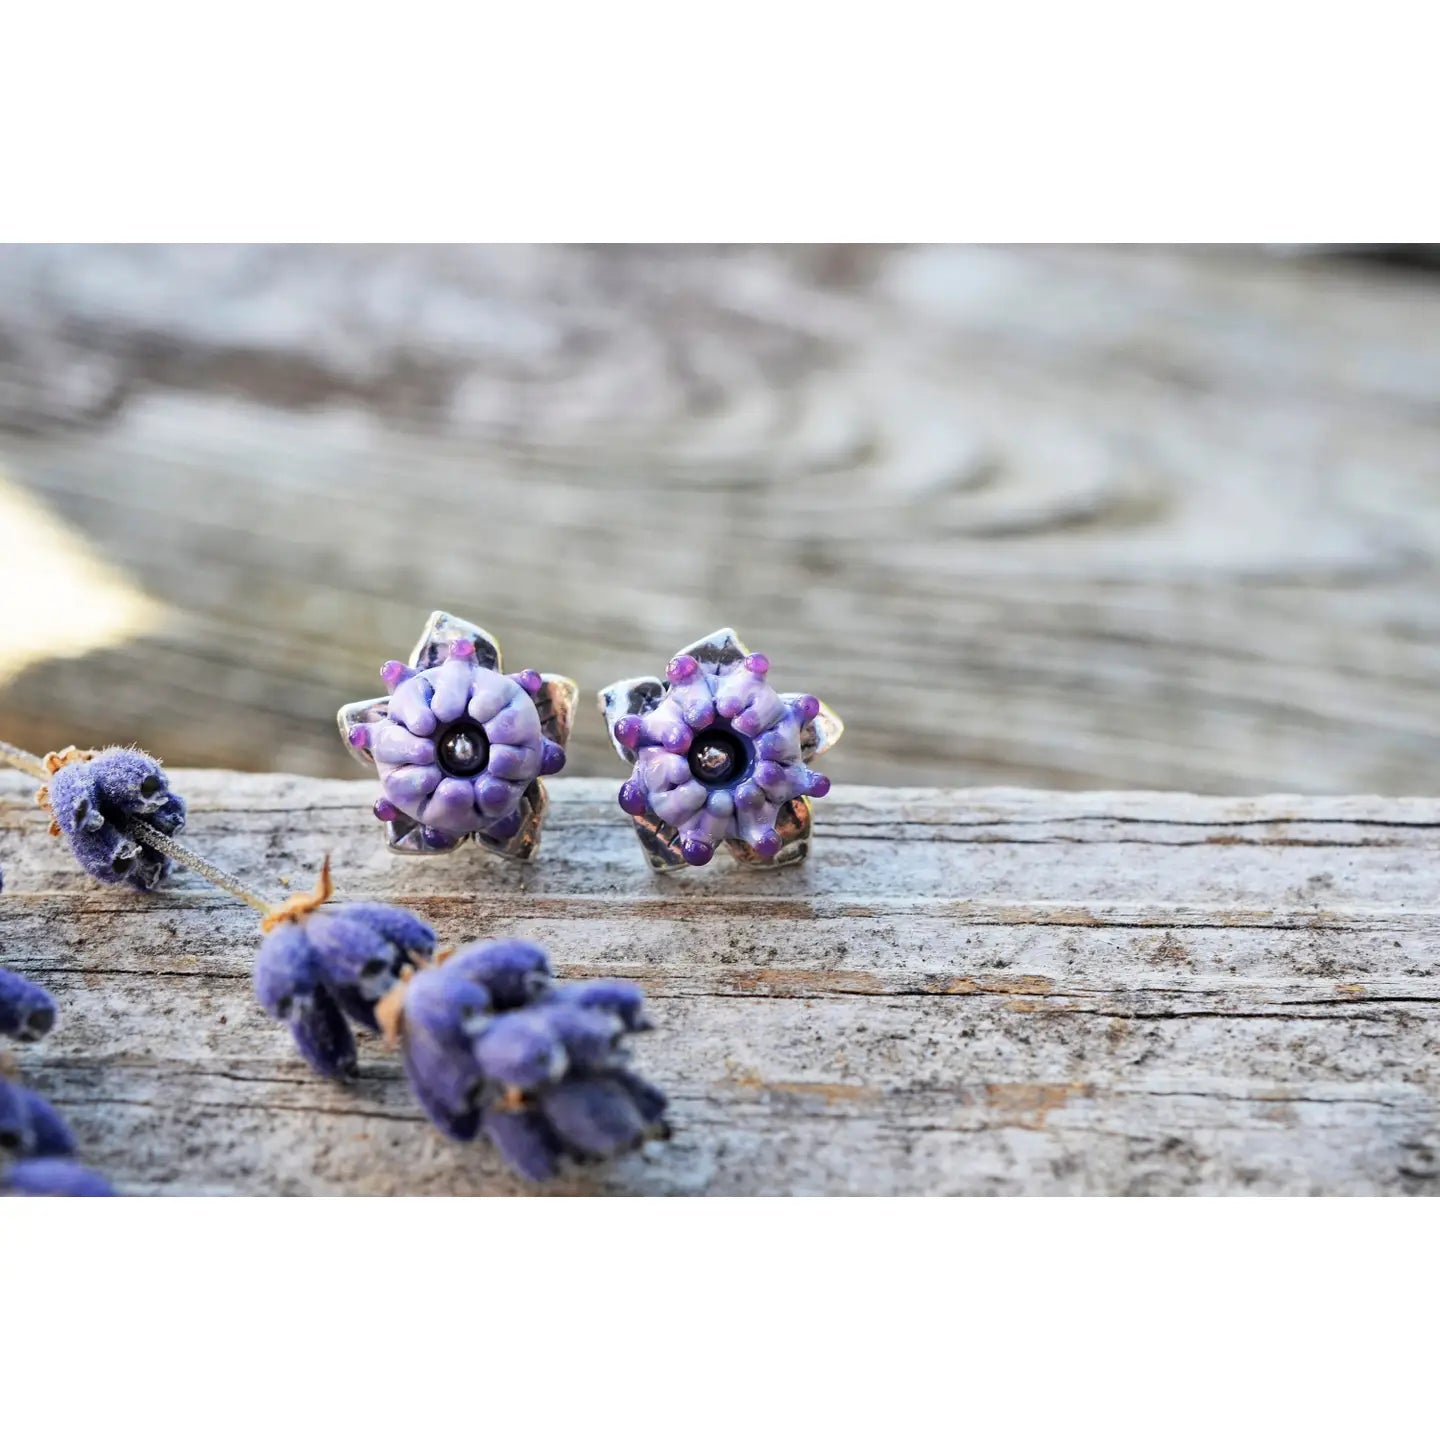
{"x":26,"y":1011}
{"x":514,"y":972}
{"x":524,"y":1141}
{"x":324,"y":1038}
{"x":521,"y":1050}
{"x":53,"y":1179}
{"x":594,"y":1117}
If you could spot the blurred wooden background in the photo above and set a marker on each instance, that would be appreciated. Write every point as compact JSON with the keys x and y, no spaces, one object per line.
{"x":1055,"y":517}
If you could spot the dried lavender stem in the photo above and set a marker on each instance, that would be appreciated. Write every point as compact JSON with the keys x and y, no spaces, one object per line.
{"x":138,"y":830}
{"x":19,"y":759}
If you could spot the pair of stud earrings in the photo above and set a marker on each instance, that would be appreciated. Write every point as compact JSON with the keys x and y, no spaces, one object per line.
{"x":718,"y":756}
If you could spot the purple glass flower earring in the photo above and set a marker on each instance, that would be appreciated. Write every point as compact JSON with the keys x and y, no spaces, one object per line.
{"x":459,"y":745}
{"x":718,"y":756}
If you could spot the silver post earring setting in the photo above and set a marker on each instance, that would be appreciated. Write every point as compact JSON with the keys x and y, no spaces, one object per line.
{"x":719,"y":757}
{"x":459,"y":745}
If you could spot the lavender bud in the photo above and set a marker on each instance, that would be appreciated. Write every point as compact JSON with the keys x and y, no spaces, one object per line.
{"x":595,"y":1117}
{"x":287,"y":971}
{"x":515,"y":972}
{"x":524,"y":1141}
{"x":444,"y":1010}
{"x":92,"y":800}
{"x":619,"y":997}
{"x":521,"y":1051}
{"x":323,"y":1038}
{"x":30,"y":1128}
{"x":54,"y":1179}
{"x":26,"y":1011}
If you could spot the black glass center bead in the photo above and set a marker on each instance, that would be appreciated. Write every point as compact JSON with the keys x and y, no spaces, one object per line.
{"x":718,"y":757}
{"x":463,"y":750}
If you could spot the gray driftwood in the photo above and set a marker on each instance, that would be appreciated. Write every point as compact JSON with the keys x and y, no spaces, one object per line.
{"x":990,"y":992}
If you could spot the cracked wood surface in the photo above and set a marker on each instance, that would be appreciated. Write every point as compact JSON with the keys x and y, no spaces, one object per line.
{"x":973,"y":992}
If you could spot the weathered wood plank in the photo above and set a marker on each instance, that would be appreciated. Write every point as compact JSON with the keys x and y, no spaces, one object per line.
{"x":990,"y":992}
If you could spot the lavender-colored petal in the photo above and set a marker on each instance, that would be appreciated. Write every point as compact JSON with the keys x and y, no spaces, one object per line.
{"x":409,"y":786}
{"x":432,"y":1082}
{"x":398,"y":925}
{"x":490,"y":694}
{"x":452,"y":807}
{"x":515,"y":972}
{"x":620,"y":997}
{"x":590,"y":1036}
{"x":27,"y":1012}
{"x":352,"y":954}
{"x":451,"y":682}
{"x":649,"y":1101}
{"x":524,"y":1141}
{"x":594,"y":1117}
{"x":444,"y":1011}
{"x":287,"y":970}
{"x":17,"y":1134}
{"x":323,"y":1038}
{"x":521,"y":1050}
{"x":53,"y":1179}
{"x":130,"y":782}
{"x":30,"y":1127}
{"x":410,"y":706}
{"x":395,"y":745}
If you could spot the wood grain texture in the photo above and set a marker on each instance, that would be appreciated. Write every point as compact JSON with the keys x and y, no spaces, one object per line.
{"x":1061,"y":517}
{"x":964,"y":992}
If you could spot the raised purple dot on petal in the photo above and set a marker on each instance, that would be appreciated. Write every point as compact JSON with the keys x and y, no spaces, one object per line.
{"x":682,"y":668}
{"x":819,"y":785}
{"x":767,"y":844}
{"x":769,"y":775}
{"x":632,"y":798}
{"x":757,"y":664}
{"x":462,"y":648}
{"x":552,"y":758}
{"x":529,"y":681}
{"x":359,"y":736}
{"x":807,"y":707}
{"x":627,"y":730}
{"x":385,"y":811}
{"x":392,"y":672}
{"x":696,"y":852}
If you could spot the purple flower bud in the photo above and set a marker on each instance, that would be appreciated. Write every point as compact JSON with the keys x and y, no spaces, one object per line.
{"x":444,"y":1012}
{"x":524,"y":1141}
{"x":324,"y":1038}
{"x":515,"y":972}
{"x":589,"y":1036}
{"x":619,"y":997}
{"x":595,"y":1118}
{"x":521,"y":1051}
{"x":396,"y":924}
{"x":650,"y":1102}
{"x":359,"y":963}
{"x":30,"y":1128}
{"x":26,"y":1011}
{"x":287,"y":971}
{"x":54,"y":1179}
{"x":93,"y":799}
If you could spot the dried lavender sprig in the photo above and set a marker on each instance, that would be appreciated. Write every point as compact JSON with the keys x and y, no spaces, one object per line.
{"x":145,"y":834}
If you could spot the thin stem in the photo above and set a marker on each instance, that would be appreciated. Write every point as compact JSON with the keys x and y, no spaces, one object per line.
{"x":184,"y":855}
{"x":138,"y":830}
{"x":19,"y":759}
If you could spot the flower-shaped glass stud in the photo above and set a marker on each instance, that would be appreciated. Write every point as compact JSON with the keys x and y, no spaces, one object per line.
{"x":459,"y":745}
{"x":719,"y":757}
